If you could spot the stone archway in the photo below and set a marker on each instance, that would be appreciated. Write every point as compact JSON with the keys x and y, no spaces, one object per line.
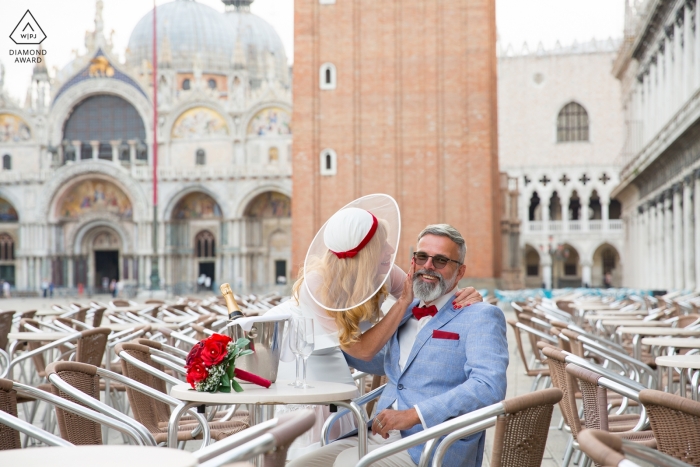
{"x":533,"y":268}
{"x":606,"y":259}
{"x":101,"y":258}
{"x":268,"y":227}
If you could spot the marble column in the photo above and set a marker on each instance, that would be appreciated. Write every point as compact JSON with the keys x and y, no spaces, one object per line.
{"x":586,"y":265}
{"x":660,"y":278}
{"x":678,"y":267}
{"x":604,"y":213}
{"x":132,"y":151}
{"x":565,"y":214}
{"x":585,"y":210}
{"x":642,"y":266}
{"x":688,"y":233}
{"x":667,"y":234}
{"x":95,"y":149}
{"x":115,"y":150}
{"x":547,"y":270}
{"x":544,"y":209}
{"x":696,"y":222}
{"x":78,"y":150}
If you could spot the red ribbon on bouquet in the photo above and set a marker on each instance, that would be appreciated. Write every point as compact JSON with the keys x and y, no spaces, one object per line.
{"x":251,"y":378}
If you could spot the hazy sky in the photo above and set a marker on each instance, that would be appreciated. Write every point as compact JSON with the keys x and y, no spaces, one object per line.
{"x":66,"y":21}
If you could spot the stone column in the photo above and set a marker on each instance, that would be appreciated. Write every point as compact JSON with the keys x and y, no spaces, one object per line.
{"x":584,"y":212}
{"x":604,"y":213}
{"x":678,"y":267}
{"x":696,"y":219}
{"x":650,"y":275}
{"x":586,"y":272}
{"x":115,"y":150}
{"x":687,"y":50}
{"x":666,"y":232}
{"x":132,"y":150}
{"x":546,"y":264}
{"x":688,"y":228}
{"x":78,"y":150}
{"x":565,"y":214}
{"x":545,"y":213}
{"x":659,"y":282}
{"x":641,"y":252}
{"x":95,"y":149}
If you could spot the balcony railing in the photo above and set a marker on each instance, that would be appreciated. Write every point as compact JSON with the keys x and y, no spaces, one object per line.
{"x":613,"y":225}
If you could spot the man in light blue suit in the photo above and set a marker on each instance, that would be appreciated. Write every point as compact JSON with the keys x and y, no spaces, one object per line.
{"x":442,"y":361}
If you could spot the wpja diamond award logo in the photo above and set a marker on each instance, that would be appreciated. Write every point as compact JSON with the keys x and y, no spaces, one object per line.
{"x":28,"y":32}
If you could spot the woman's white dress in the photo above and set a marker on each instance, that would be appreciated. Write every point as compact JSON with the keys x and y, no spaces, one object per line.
{"x":327,"y":362}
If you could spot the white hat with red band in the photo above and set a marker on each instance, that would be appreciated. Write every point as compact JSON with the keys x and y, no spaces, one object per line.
{"x":344,"y":235}
{"x":348,"y":231}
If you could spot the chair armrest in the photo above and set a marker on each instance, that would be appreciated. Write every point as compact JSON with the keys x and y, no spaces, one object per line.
{"x":32,"y":431}
{"x":472,"y":419}
{"x":362,"y":400}
{"x":121,"y":423}
{"x":41,"y":349}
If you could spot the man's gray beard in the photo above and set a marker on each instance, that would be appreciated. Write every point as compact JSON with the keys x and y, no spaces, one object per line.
{"x":428,"y":292}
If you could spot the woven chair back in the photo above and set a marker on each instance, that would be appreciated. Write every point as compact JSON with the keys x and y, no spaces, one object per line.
{"x":565,"y":382}
{"x":97,"y":317}
{"x":521,"y":432}
{"x":595,"y":398}
{"x":9,"y":438}
{"x":147,"y":411}
{"x":675,"y":422}
{"x":575,"y":345}
{"x":91,"y":346}
{"x":38,"y":359}
{"x":5,"y":326}
{"x":74,"y":428}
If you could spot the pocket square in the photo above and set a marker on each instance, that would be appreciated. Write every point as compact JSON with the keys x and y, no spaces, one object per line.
{"x":437,"y":334}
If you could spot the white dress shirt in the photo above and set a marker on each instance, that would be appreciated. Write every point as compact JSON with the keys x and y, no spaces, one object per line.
{"x":409,"y":331}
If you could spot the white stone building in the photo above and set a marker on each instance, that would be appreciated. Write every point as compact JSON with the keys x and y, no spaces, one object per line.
{"x":659,"y":69}
{"x":560,"y":130}
{"x":76,"y":187}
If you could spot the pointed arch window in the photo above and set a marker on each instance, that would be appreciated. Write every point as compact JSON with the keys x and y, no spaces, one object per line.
{"x":205,"y":244}
{"x":201,"y":157}
{"x":327,"y":76}
{"x":572,"y":123}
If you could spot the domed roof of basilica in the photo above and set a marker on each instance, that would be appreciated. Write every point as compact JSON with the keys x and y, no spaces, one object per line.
{"x":190,"y":31}
{"x":260,"y":45}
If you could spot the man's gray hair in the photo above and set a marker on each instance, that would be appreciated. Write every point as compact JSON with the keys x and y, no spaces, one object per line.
{"x":446,"y":230}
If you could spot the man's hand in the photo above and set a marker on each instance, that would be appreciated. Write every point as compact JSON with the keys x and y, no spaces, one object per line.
{"x":389,"y":419}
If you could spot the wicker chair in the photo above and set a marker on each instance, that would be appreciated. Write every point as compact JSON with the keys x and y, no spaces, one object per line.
{"x":595,"y":404}
{"x":537,"y":373}
{"x":9,"y":438}
{"x":608,"y":450}
{"x":675,"y":422}
{"x":522,"y":427}
{"x":153,"y":414}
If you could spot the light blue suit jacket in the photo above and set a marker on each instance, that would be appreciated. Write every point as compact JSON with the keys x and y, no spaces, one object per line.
{"x":447,"y":378}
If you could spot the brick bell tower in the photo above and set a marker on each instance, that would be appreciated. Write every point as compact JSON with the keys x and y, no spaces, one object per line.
{"x":398,"y":97}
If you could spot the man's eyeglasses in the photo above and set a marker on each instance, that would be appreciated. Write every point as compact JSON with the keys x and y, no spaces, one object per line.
{"x":439,"y":261}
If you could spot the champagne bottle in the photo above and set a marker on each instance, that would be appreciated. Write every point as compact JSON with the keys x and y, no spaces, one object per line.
{"x":234,"y":312}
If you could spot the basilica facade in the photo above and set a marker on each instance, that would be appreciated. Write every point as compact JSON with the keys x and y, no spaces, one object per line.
{"x":76,"y":186}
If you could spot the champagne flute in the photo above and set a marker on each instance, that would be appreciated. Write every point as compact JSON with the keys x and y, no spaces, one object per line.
{"x":293,"y":325}
{"x":305,"y":343}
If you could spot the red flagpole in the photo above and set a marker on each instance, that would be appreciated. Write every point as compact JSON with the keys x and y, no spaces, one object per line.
{"x":155,"y":280}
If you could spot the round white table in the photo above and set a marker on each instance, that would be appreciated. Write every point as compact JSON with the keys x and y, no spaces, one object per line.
{"x":104,"y":456}
{"x":38,"y":336}
{"x":682,"y":362}
{"x":280,"y":393}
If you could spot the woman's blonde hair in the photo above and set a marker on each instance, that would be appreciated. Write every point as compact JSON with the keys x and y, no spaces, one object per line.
{"x":348,"y":281}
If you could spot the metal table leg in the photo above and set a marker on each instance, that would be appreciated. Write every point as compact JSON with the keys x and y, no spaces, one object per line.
{"x":361,"y":424}
{"x":175,"y":421}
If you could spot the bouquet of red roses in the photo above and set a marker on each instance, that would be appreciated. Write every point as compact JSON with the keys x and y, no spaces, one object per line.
{"x":211,"y":365}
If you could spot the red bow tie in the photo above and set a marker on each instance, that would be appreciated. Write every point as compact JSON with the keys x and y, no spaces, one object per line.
{"x":423,"y":311}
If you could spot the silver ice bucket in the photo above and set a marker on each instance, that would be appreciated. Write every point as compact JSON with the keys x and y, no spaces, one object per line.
{"x":266,"y":344}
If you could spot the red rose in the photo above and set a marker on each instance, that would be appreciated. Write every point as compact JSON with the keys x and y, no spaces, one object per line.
{"x":196,"y":373}
{"x":195,"y":355}
{"x":215,"y":349}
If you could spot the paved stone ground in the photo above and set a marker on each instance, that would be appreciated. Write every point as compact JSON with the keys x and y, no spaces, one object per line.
{"x":518,"y":382}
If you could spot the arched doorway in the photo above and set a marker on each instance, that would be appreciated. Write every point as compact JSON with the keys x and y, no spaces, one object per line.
{"x":191,"y":243}
{"x":9,"y":222}
{"x":268,"y":237}
{"x":606,"y":260}
{"x":104,"y":252}
{"x":533,"y":270}
{"x":205,"y":253}
{"x":567,"y":267}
